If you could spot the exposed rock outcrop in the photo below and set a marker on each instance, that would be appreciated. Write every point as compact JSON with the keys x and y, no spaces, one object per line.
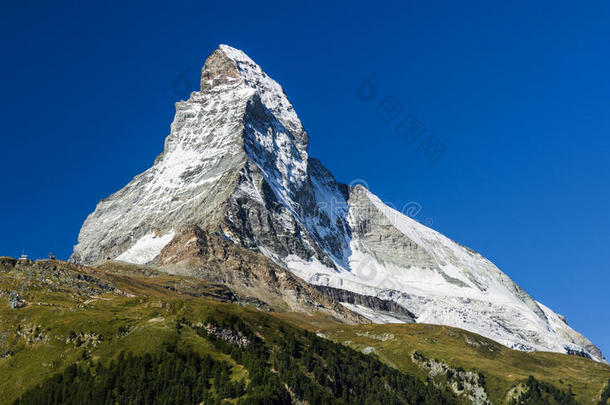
{"x":211,"y":257}
{"x":464,"y":383}
{"x":368,"y":301}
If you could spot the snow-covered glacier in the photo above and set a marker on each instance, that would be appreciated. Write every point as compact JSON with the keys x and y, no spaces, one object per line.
{"x":236,"y":163}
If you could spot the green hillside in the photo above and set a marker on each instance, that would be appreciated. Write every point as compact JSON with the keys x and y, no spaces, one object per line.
{"x":408,"y":347}
{"x":126,"y":334}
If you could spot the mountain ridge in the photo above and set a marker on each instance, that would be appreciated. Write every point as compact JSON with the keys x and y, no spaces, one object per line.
{"x":236,"y":164}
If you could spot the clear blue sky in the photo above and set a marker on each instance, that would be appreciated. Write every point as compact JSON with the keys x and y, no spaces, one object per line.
{"x":517,"y":92}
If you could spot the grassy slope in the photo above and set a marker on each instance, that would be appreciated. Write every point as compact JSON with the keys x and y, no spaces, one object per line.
{"x":138,"y":324}
{"x":144,"y":314}
{"x":502,"y":367}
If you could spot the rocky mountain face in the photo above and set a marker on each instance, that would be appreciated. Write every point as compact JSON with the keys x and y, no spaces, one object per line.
{"x":196,"y":253}
{"x":235,"y":173}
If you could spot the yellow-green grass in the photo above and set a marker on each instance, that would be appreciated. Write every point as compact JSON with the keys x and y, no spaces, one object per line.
{"x":142,"y":315}
{"x":139,"y":324}
{"x":503,"y":368}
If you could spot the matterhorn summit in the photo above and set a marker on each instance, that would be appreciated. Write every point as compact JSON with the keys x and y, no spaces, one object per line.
{"x":235,"y":165}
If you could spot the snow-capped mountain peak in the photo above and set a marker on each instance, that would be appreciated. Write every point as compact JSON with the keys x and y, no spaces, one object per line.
{"x":228,"y":67}
{"x":235,"y":163}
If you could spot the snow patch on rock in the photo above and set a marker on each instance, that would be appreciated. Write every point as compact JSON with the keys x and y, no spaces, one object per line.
{"x":146,"y":248}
